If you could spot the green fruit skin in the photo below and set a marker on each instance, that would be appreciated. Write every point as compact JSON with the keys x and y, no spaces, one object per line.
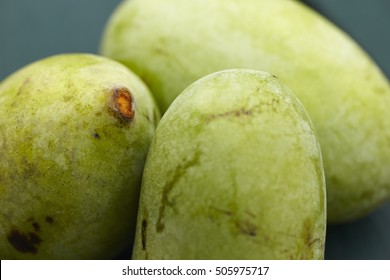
{"x":70,"y":165}
{"x":234,"y":172}
{"x":172,"y":43}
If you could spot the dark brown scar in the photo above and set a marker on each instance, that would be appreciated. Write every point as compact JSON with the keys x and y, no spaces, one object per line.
{"x":122,"y":104}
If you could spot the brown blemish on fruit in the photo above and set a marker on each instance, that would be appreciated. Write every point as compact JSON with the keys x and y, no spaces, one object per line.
{"x":96,"y":135}
{"x":67,"y":98}
{"x":143,"y":233}
{"x":49,"y":220}
{"x":246,"y":227}
{"x":22,"y":87}
{"x":223,"y":211}
{"x":307,"y":232}
{"x":380,"y":90}
{"x":234,"y":113}
{"x":122,"y":104}
{"x":29,"y":170}
{"x":160,"y":51}
{"x":24,"y":243}
{"x":250,"y":214}
{"x":310,"y":240}
{"x":170,"y":184}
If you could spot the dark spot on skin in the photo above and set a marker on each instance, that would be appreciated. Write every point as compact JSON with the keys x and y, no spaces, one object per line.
{"x":24,"y":243}
{"x":49,"y":220}
{"x":96,"y":135}
{"x":143,"y":233}
{"x":36,"y":226}
{"x":121,"y":105}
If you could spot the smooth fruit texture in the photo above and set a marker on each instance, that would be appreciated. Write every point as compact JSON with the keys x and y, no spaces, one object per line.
{"x":172,"y":43}
{"x":234,"y":172}
{"x":74,"y":133}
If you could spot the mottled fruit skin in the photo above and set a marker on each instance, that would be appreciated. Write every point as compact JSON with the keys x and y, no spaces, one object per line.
{"x":74,"y":134}
{"x":172,"y":43}
{"x":234,"y":172}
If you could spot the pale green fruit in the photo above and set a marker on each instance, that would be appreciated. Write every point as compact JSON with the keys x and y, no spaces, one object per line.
{"x":74,"y":133}
{"x":171,"y":43}
{"x":234,"y":172}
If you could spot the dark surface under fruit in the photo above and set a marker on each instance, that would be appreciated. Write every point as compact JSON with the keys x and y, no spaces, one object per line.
{"x":31,"y":30}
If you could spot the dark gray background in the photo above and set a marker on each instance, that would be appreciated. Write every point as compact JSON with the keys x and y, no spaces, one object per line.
{"x":31,"y":30}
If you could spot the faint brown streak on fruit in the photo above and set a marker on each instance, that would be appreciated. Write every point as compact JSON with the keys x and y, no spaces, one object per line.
{"x":250,"y":214}
{"x":160,"y":51}
{"x":310,"y":240}
{"x":179,"y":172}
{"x":122,"y":104}
{"x":223,"y":211}
{"x":24,"y":243}
{"x":155,"y":117}
{"x":246,"y":227}
{"x":22,"y":87}
{"x":234,"y":113}
{"x":143,"y":233}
